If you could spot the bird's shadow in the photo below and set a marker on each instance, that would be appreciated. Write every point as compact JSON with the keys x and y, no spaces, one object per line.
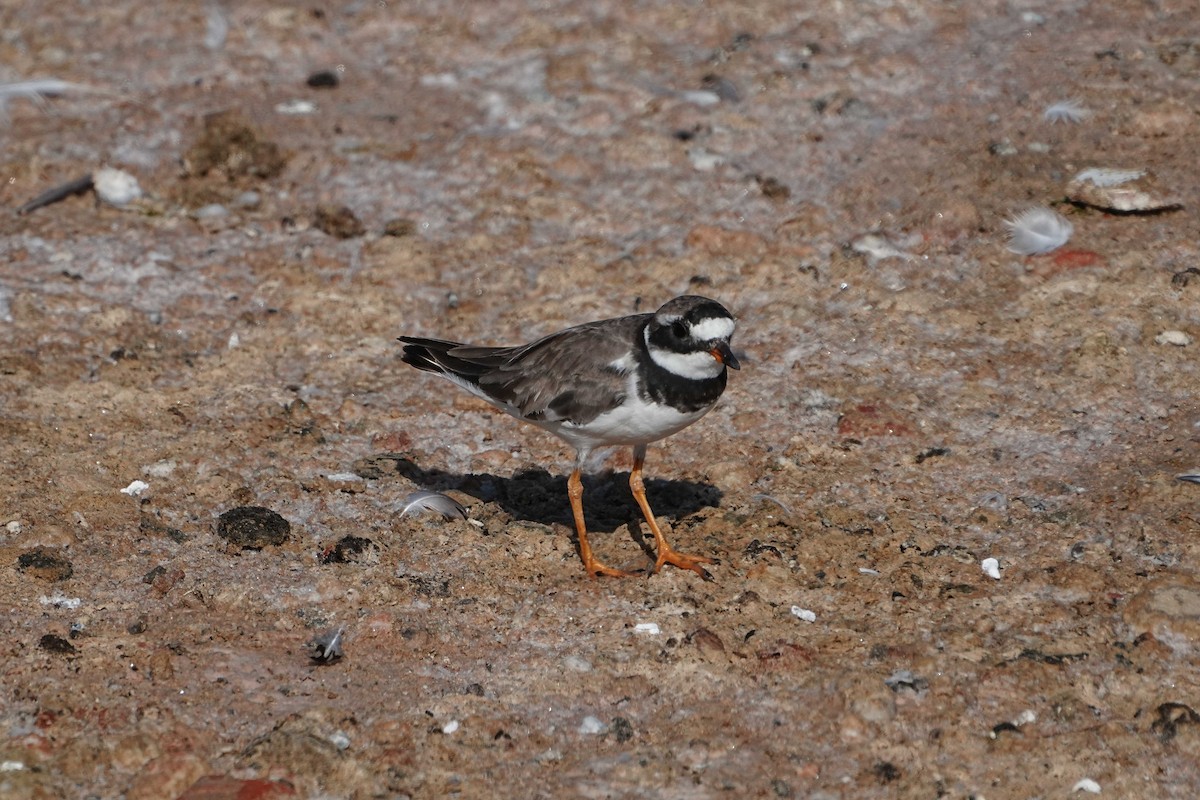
{"x":535,"y":495}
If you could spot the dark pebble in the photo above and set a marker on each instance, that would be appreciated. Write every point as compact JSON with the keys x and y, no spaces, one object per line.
{"x":52,"y":643}
{"x":46,"y":563}
{"x":773,"y":187}
{"x":323,"y":79}
{"x":347,"y":549}
{"x":621,"y":729}
{"x":253,"y":527}
{"x":337,"y":221}
{"x":401,"y":226}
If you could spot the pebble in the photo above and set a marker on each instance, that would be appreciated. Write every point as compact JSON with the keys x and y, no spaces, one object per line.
{"x":323,"y":79}
{"x":248,"y":200}
{"x":115,"y":187}
{"x":1177,"y":338}
{"x":648,"y":628}
{"x":253,"y":527}
{"x":991,"y":568}
{"x":135,"y":488}
{"x":701,"y":98}
{"x":1087,"y":785}
{"x":450,"y":727}
{"x":590,"y":726}
{"x":400,"y":227}
{"x":337,"y":221}
{"x":1123,"y":190}
{"x":804,"y":614}
{"x":296,"y":107}
{"x":210,"y":211}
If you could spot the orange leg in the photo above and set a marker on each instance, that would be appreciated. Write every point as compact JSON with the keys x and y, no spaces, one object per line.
{"x":665,"y":554}
{"x":591,"y":564}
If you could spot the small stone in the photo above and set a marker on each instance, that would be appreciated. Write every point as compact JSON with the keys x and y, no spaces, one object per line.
{"x":450,"y":727}
{"x":135,"y":488}
{"x":253,"y":527}
{"x":210,"y":211}
{"x":52,"y":643}
{"x":400,"y":227}
{"x":337,"y":221}
{"x":1127,"y":191}
{"x":804,"y":614}
{"x":347,"y":549}
{"x":45,"y":563}
{"x":248,"y":200}
{"x":1177,"y":338}
{"x":323,"y":79}
{"x":647,"y":628}
{"x":991,"y":568}
{"x":115,"y":187}
{"x":1087,"y":785}
{"x":591,"y":726}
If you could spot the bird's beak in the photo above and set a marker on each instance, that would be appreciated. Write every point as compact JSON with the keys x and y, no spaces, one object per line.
{"x":724,"y":355}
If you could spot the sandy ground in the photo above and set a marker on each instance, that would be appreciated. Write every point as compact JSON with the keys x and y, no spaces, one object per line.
{"x":914,"y":399}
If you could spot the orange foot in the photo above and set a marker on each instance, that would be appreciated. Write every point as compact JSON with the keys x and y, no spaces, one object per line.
{"x":595,"y":567}
{"x":682,"y":560}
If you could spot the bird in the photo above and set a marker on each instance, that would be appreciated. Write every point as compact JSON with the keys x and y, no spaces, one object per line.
{"x":626,"y":381}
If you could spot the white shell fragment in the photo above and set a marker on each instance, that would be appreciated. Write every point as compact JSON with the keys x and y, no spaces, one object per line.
{"x":115,"y":187}
{"x":1177,"y":338}
{"x":1127,"y":191}
{"x":450,"y":727}
{"x":1087,"y":785}
{"x":438,"y":503}
{"x":1038,"y":230}
{"x":135,"y":488}
{"x":991,"y":568}
{"x":804,"y":614}
{"x":648,"y":628}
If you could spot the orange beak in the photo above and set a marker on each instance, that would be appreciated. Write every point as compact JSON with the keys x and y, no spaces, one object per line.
{"x":724,"y":355}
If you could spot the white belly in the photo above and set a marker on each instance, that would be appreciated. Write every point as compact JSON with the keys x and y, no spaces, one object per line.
{"x":633,"y":423}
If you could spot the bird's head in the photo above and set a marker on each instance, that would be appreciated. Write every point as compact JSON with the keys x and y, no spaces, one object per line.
{"x":689,"y":337}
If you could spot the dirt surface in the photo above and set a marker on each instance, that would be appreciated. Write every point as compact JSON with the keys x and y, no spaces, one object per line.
{"x":914,"y":399}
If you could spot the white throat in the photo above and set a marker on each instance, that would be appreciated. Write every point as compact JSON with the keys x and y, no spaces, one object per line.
{"x":694,"y":366}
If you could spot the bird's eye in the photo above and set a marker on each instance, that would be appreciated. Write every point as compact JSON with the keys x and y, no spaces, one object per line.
{"x":679,"y":330}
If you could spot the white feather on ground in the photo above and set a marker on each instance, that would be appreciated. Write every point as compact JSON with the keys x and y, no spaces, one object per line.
{"x":447,"y":506}
{"x":1038,"y":230}
{"x":1065,"y":111}
{"x":36,"y":90}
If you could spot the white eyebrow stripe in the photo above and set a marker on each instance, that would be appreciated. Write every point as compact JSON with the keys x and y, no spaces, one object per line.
{"x":713,"y":328}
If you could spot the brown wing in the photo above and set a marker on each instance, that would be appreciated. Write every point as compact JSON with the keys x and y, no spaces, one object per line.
{"x":576,"y":374}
